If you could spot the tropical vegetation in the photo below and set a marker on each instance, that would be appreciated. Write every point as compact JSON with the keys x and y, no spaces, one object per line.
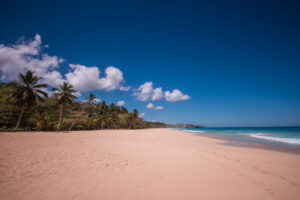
{"x":25,"y":105}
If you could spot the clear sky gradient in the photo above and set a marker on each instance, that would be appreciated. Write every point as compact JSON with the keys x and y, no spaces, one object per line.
{"x":239,"y":61}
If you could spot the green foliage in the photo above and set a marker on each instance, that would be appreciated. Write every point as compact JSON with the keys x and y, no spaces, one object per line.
{"x":9,"y":108}
{"x":64,"y":96}
{"x":92,"y":98}
{"x":61,"y":111}
{"x":27,"y":92}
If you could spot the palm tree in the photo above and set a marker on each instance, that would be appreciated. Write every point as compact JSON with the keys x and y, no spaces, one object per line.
{"x":101,"y":114}
{"x":106,"y":116}
{"x":132,"y":118}
{"x":27,"y":91}
{"x":123,"y":110}
{"x":104,"y":106}
{"x":135,"y":113}
{"x":113,"y":108}
{"x":64,"y":96}
{"x":112,"y":120}
{"x":92,"y":98}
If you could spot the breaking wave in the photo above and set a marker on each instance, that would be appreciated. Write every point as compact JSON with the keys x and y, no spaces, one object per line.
{"x":192,"y":131}
{"x":294,"y":141}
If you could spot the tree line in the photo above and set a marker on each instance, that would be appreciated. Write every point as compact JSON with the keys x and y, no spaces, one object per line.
{"x":26,"y":105}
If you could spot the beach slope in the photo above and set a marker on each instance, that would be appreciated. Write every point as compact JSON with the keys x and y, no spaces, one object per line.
{"x":141,"y":164}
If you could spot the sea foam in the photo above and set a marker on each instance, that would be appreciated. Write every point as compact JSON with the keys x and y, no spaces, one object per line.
{"x":294,"y":141}
{"x":193,"y":131}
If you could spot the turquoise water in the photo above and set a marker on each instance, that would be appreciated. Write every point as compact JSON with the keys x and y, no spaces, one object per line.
{"x":281,"y":136}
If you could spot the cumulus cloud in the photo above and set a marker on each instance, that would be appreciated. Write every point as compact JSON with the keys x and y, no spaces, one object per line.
{"x":142,"y":114}
{"x":151,"y":106}
{"x":97,"y":100}
{"x":85,"y":78}
{"x":26,"y":55}
{"x":125,"y":88}
{"x":120,"y":103}
{"x":77,"y":94}
{"x":176,"y":95}
{"x":157,"y":94}
{"x":144,"y":92}
{"x":113,"y":78}
{"x":158,"y":107}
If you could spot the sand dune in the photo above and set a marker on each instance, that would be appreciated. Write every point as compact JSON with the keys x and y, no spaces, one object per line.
{"x":140,"y":164}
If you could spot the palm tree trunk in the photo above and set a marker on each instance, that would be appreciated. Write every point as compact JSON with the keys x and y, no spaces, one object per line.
{"x":60,"y":116}
{"x":101,"y":124}
{"x":72,"y":124}
{"x":20,"y":116}
{"x":131,"y":124}
{"x":114,"y":124}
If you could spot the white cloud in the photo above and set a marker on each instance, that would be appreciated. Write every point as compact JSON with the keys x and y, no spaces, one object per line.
{"x":120,"y":103}
{"x":146,"y":91}
{"x":26,"y":55}
{"x":176,"y":95}
{"x":77,"y":94}
{"x":143,"y":93}
{"x":158,"y":108}
{"x":85,"y":78}
{"x":150,"y":106}
{"x":142,"y":114}
{"x":113,"y":78}
{"x":97,"y":100}
{"x":157,"y":94}
{"x":125,"y":88}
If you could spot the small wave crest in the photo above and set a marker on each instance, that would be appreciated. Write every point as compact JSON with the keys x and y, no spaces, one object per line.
{"x":193,"y":131}
{"x":294,"y":141}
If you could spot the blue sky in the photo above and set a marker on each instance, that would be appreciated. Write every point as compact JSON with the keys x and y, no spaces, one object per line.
{"x":237,"y":61}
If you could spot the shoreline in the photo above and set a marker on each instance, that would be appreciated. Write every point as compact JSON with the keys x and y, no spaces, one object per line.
{"x":272,"y":147}
{"x":223,"y":141}
{"x":235,"y":143}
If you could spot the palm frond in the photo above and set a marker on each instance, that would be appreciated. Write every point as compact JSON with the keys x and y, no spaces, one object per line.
{"x":44,"y":93}
{"x":40,"y":86}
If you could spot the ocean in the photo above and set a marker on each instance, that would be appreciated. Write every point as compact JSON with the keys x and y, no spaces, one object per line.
{"x":276,"y":136}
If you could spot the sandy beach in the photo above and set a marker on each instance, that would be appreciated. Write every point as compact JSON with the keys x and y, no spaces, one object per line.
{"x":140,"y":164}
